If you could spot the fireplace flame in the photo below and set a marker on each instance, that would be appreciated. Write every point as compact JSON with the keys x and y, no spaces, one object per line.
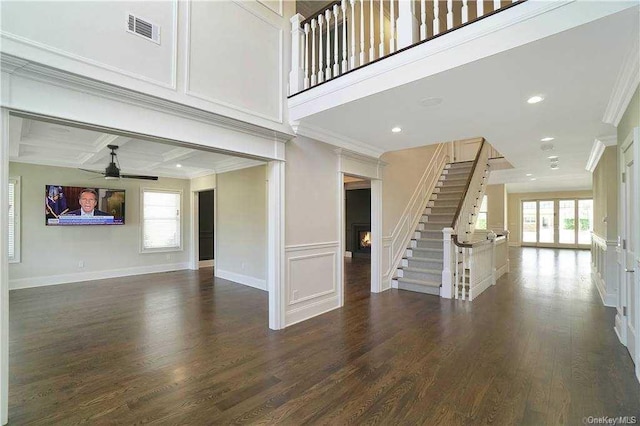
{"x":366,"y":240}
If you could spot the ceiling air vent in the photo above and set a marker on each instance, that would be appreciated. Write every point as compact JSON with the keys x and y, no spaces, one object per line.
{"x":143,"y":28}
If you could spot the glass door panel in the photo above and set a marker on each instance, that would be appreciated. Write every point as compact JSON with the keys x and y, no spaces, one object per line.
{"x":567,"y":221}
{"x":545,"y":224}
{"x":585,"y":220}
{"x":529,"y":221}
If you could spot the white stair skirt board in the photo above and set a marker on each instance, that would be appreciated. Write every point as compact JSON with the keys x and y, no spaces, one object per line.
{"x":258,"y":283}
{"x":206,"y":263}
{"x":93,"y":275}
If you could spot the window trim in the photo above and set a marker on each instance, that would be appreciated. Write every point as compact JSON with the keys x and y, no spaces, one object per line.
{"x":180,"y":247}
{"x":15,"y":180}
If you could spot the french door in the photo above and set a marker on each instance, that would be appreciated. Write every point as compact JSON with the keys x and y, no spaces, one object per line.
{"x":557,"y":223}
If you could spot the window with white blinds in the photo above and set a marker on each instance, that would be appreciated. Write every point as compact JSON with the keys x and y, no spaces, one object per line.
{"x":161,"y":220}
{"x":14,"y":220}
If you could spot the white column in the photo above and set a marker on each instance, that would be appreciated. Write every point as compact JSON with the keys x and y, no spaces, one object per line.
{"x":376,"y":237}
{"x":275,"y":244}
{"x":4,"y":268}
{"x":296,"y":75}
{"x":447,"y":273}
{"x":407,"y":23}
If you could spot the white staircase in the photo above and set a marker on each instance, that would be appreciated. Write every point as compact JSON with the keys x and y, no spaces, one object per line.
{"x":421,"y":268}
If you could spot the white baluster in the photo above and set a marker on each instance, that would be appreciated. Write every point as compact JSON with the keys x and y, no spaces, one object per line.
{"x":465,"y":11}
{"x":449,"y":14}
{"x":392,"y":36}
{"x":496,"y":4}
{"x":407,"y":23}
{"x":327,"y":15}
{"x":352,"y":58}
{"x":345,"y":63}
{"x":336,"y":63}
{"x":372,"y":37}
{"x":362,"y":57}
{"x":456,"y":273}
{"x":381,"y":49}
{"x":436,"y":17}
{"x":480,"y":8}
{"x":306,"y":55}
{"x":320,"y":56}
{"x":423,"y":19}
{"x":296,"y":76}
{"x":314,"y":79}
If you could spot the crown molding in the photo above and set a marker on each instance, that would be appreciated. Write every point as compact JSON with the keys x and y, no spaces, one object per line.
{"x":624,"y":87}
{"x":33,"y":71}
{"x":326,"y":136}
{"x":236,"y":164}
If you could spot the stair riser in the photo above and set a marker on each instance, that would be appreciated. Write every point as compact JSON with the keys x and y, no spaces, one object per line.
{"x":418,"y":288}
{"x":456,"y":166}
{"x":436,"y":226}
{"x":440,"y":210}
{"x":449,"y":196}
{"x":425,"y":276}
{"x":428,"y":254}
{"x":437,"y":218}
{"x":422,"y":264}
{"x":428,"y":234}
{"x":428,"y":244}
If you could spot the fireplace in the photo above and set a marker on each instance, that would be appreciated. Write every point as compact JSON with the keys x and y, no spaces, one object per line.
{"x":361,"y":240}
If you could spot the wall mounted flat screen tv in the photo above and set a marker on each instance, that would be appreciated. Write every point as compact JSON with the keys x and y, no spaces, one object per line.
{"x":77,"y":205}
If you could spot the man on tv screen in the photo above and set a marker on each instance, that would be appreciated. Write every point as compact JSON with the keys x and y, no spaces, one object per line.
{"x":88,"y":200}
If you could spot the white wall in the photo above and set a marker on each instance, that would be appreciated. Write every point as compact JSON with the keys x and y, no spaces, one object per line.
{"x":312,"y":231}
{"x":241,"y":226}
{"x":203,"y":47}
{"x":51,"y":255}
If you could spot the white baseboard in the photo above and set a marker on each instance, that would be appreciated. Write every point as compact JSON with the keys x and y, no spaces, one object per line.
{"x":206,"y":263}
{"x":254,"y":282}
{"x":348,"y":254}
{"x":311,"y":310}
{"x":514,"y":244}
{"x":93,"y":275}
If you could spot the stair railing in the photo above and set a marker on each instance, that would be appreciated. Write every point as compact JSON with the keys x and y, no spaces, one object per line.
{"x":342,"y":37}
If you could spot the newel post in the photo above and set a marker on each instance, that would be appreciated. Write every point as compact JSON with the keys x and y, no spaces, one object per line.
{"x":296,"y":76}
{"x":447,"y":259}
{"x":407,"y":24}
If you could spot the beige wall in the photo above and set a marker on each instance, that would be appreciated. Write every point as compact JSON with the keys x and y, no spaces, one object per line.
{"x":241,"y":227}
{"x":203,"y":183}
{"x":514,"y":206}
{"x":496,"y":207}
{"x":401,"y":176}
{"x":52,"y":254}
{"x":605,"y":195}
{"x":631,"y":117}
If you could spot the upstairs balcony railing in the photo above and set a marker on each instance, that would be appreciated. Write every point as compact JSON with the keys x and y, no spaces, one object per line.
{"x":349,"y":34}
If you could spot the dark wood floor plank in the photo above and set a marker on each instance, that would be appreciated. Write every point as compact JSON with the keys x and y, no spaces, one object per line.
{"x":187,"y":348}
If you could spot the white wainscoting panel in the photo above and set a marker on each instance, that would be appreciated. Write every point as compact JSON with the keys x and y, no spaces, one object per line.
{"x":273,"y":5}
{"x":234,"y":58}
{"x":387,"y":261}
{"x":311,"y":280}
{"x":93,"y":275}
{"x":79,"y":36}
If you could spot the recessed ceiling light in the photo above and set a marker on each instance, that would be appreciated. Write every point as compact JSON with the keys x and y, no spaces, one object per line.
{"x":547,"y":146}
{"x":552,"y":157}
{"x":429,"y":102}
{"x":396,"y":130}
{"x":533,"y":178}
{"x":547,"y":139}
{"x":535,"y":99}
{"x":178,"y":165}
{"x":554,"y":167}
{"x":529,"y":174}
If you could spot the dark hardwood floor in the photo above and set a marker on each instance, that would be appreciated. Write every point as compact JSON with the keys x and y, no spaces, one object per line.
{"x":184,"y":348}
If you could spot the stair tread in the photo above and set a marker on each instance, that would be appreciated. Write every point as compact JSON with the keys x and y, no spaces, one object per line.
{"x":423,"y":259}
{"x":427,"y":239}
{"x":422,"y":270}
{"x":425,"y":249}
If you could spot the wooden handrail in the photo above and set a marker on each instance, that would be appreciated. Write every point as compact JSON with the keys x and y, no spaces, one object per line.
{"x":454,"y":237}
{"x":466,"y":189}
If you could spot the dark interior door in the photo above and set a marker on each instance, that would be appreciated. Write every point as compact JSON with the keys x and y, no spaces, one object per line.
{"x":205,"y":224}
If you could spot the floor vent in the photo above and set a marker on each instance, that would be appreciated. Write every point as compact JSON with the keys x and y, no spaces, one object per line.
{"x":143,"y":28}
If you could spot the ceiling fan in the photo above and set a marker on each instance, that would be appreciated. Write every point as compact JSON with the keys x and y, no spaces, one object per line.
{"x":113,"y":169}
